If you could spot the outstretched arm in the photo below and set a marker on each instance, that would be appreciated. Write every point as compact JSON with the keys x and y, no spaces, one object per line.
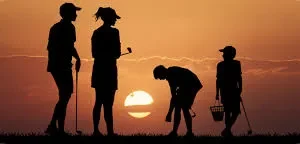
{"x":75,"y":54}
{"x":172,"y":105}
{"x":240,"y":80}
{"x":217,"y":84}
{"x":172,"y":102}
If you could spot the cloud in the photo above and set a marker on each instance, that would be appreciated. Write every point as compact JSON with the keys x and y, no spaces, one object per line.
{"x":249,"y":66}
{"x":26,"y":83}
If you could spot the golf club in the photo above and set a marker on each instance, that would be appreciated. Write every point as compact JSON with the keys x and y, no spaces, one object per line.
{"x":77,"y":131}
{"x":250,"y":130}
{"x":129,"y":51}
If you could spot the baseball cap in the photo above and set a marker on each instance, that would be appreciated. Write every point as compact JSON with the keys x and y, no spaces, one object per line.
{"x":66,"y":7}
{"x":228,"y":49}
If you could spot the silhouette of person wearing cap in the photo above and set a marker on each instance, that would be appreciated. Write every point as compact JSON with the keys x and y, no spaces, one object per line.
{"x":106,"y":49}
{"x":184,"y":86}
{"x":229,"y":86}
{"x":61,"y":49}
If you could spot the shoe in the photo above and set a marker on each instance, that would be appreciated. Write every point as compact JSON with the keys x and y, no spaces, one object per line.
{"x":112,"y":134}
{"x":172,"y":134}
{"x":189,"y":134}
{"x":97,"y":133}
{"x":51,"y":130}
{"x":226,"y":133}
{"x":63,"y":133}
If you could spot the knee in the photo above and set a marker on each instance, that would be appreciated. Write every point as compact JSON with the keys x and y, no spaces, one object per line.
{"x":64,"y":96}
{"x":235,"y":114}
{"x":186,"y":112}
{"x":177,"y":111}
{"x":107,"y":108}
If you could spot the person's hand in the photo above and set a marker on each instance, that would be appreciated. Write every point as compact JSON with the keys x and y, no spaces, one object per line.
{"x":217,"y":96}
{"x":240,"y":91}
{"x":169,"y":117}
{"x":77,"y":65}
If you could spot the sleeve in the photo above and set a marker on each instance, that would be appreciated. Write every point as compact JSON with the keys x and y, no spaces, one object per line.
{"x":50,"y":39}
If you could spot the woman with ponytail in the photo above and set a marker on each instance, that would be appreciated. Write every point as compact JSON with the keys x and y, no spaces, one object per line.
{"x":106,"y":49}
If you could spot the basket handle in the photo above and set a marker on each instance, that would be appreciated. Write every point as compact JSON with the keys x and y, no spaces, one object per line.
{"x":218,"y":102}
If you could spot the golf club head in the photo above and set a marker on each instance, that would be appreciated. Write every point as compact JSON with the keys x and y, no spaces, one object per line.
{"x":129,"y":50}
{"x":79,"y":132}
{"x":249,"y":132}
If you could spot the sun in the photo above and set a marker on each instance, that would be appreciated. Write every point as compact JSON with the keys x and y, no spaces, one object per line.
{"x":138,"y":101}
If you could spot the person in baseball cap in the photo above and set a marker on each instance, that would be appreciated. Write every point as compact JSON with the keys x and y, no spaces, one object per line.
{"x":61,"y":50}
{"x":68,"y":11}
{"x":229,"y":87}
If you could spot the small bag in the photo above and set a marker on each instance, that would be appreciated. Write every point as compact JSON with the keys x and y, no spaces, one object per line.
{"x":217,"y":111}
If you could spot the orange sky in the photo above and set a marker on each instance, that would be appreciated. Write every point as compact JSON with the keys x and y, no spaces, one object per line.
{"x":159,"y":32}
{"x":265,"y":29}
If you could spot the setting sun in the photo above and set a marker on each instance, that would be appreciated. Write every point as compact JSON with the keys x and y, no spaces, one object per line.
{"x":137,"y":101}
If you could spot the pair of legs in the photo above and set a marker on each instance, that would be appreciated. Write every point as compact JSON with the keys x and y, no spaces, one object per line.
{"x":177,"y":119}
{"x":232,"y":111}
{"x":64,"y":82}
{"x":104,"y":97}
{"x":184,"y":101}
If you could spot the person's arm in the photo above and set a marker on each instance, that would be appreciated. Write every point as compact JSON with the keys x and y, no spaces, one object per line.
{"x":172,"y":101}
{"x":240,"y":79}
{"x":217,"y":84}
{"x":172,"y":105}
{"x":75,"y":54}
{"x":94,"y":45}
{"x":170,"y":111}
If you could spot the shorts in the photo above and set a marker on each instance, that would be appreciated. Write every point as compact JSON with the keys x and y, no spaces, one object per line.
{"x":185,"y":97}
{"x":64,"y":81}
{"x":232,"y":106}
{"x":105,"y":96}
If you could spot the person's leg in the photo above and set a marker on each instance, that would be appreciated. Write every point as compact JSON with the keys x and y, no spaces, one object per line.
{"x":97,"y":110}
{"x":177,"y":118}
{"x":188,"y":120}
{"x":235,"y":111}
{"x":227,"y":123}
{"x":55,"y":115}
{"x":62,"y":108}
{"x":65,"y":93}
{"x":108,"y":111}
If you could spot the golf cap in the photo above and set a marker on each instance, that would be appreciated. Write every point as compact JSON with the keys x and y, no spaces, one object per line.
{"x":228,"y":49}
{"x":67,"y":7}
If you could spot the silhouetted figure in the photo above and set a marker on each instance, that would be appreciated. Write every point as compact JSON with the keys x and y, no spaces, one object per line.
{"x":184,"y":86}
{"x":60,"y":52}
{"x":229,"y":85}
{"x":106,"y":49}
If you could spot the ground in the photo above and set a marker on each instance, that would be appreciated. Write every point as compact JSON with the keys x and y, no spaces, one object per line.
{"x":148,"y":138}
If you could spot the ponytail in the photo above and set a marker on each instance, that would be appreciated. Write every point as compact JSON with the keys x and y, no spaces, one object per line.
{"x":99,"y":13}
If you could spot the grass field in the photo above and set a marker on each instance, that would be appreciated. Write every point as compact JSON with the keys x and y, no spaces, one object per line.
{"x":148,"y":138}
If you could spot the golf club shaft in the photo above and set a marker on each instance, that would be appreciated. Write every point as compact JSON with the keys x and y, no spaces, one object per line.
{"x":76,"y":98}
{"x":246,"y":115}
